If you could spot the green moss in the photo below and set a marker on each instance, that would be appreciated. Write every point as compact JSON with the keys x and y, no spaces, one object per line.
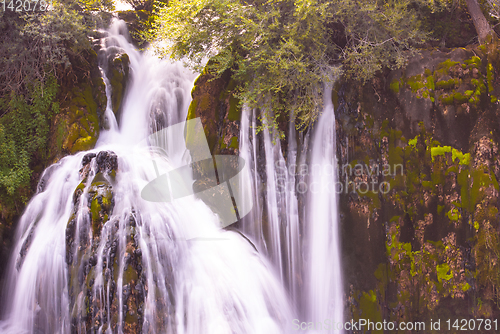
{"x":84,"y":144}
{"x":234,"y":113}
{"x":95,"y":209}
{"x":474,"y":62}
{"x":444,"y":67}
{"x":221,"y":143}
{"x":234,"y":143}
{"x":442,"y":272}
{"x":427,"y":184}
{"x":489,"y":77}
{"x":439,"y":150}
{"x":430,"y":82}
{"x":459,"y":98}
{"x":192,"y":109}
{"x":448,"y":84}
{"x":446,"y":99}
{"x":415,"y":83}
{"x":394,"y":219}
{"x":464,"y":159}
{"x":369,"y":308}
{"x":454,"y":215}
{"x":394,"y":86}
{"x":60,"y":134}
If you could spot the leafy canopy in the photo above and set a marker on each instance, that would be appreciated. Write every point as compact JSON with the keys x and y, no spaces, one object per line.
{"x":36,"y":48}
{"x":281,"y":51}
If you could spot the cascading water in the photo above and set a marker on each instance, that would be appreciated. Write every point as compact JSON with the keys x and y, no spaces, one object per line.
{"x":92,"y":256}
{"x":324,"y":273}
{"x":302,"y":244}
{"x":273,"y":223}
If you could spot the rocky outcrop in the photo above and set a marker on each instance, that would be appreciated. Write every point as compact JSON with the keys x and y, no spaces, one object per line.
{"x":83,"y":102}
{"x":94,"y":305}
{"x":219,"y":110}
{"x":418,"y":150}
{"x":426,"y":244}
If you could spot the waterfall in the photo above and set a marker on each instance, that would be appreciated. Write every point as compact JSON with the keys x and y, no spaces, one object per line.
{"x":302,"y":243}
{"x":92,"y":256}
{"x":324,"y":278}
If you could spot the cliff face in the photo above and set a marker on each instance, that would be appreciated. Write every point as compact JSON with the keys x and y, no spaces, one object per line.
{"x":418,"y":151}
{"x":76,"y":127}
{"x":214,"y":103}
{"x":425,"y":245}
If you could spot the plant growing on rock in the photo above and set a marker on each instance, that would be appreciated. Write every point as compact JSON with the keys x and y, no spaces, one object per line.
{"x":280,"y":51}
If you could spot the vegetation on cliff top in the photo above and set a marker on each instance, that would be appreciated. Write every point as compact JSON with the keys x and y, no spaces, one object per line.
{"x":279,"y":51}
{"x":37,"y":49}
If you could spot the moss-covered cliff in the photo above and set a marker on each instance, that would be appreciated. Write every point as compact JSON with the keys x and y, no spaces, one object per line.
{"x":74,"y":125}
{"x":219,"y":110}
{"x":426,"y":244}
{"x":418,"y":150}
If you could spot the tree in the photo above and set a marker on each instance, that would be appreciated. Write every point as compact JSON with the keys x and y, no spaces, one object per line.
{"x":476,"y":11}
{"x":280,"y":51}
{"x":36,"y":49}
{"x":483,"y":28}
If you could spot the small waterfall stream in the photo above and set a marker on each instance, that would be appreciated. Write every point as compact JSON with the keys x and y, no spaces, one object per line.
{"x":303,"y":245}
{"x":324,"y":273}
{"x":92,"y":256}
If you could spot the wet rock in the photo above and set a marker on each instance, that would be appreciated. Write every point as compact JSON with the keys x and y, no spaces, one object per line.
{"x":107,"y":162}
{"x":87,"y":265}
{"x":423,"y":243}
{"x":220,"y":113}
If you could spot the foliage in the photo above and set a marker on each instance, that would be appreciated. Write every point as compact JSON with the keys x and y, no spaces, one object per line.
{"x":380,"y":34}
{"x":449,"y":21}
{"x":34,"y":45}
{"x":141,"y":4}
{"x":281,"y":50}
{"x":36,"y":49}
{"x":23,"y":137}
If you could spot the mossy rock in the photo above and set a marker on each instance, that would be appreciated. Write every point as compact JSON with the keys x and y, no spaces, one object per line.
{"x":118,"y":75}
{"x":437,"y":218}
{"x":214,"y":102}
{"x":77,"y":126}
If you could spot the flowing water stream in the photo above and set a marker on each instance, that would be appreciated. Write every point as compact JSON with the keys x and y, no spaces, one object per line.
{"x":92,"y":256}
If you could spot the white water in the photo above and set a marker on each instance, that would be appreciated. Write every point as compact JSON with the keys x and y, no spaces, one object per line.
{"x":303,"y":245}
{"x":219,"y":285}
{"x":324,"y":271}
